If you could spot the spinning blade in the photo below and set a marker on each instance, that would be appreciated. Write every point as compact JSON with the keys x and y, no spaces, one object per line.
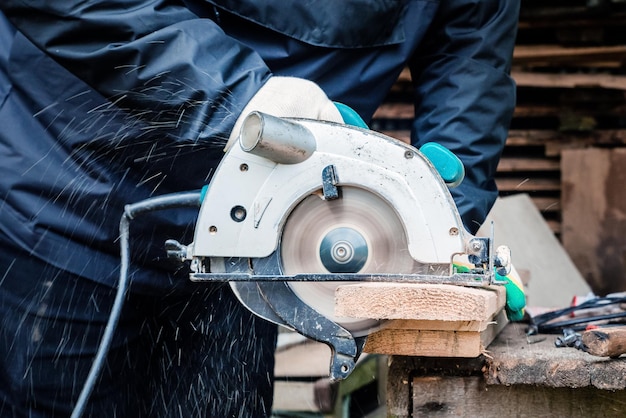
{"x":356,"y":233}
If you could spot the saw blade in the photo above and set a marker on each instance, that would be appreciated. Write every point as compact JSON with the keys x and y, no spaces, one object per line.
{"x":357,"y":233}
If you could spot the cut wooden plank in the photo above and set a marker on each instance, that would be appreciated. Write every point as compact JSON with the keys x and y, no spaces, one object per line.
{"x":415,"y":324}
{"x":532,"y":137}
{"x":534,"y":79}
{"x":594,"y":215}
{"x":305,"y":360}
{"x":552,"y":140}
{"x":424,"y":302}
{"x":557,"y":139}
{"x":554,"y":279}
{"x":295,"y":396}
{"x":535,"y":110}
{"x":585,"y":106}
{"x":528,"y":184}
{"x":515,"y":164}
{"x":523,"y":110}
{"x":425,"y":343}
{"x":426,"y":319}
{"x":534,"y":20}
{"x":434,"y":343}
{"x":395,"y":111}
{"x":524,"y":54}
{"x":542,"y":12}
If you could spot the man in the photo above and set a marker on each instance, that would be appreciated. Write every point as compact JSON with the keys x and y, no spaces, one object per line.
{"x":104,"y":103}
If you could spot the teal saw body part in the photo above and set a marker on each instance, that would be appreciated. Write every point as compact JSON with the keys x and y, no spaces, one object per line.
{"x":301,"y":206}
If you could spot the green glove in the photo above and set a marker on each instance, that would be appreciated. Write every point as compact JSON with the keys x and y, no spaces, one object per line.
{"x":515,"y":295}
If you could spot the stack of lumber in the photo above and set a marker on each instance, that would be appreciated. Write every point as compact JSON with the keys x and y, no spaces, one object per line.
{"x":570,"y":68}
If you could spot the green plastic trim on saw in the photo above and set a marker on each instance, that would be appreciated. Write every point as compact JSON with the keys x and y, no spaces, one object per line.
{"x":515,"y":296}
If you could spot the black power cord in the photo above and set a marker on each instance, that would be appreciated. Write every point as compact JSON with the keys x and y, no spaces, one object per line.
{"x":131,"y":211}
{"x":549,"y":322}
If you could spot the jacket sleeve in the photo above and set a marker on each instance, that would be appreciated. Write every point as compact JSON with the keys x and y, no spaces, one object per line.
{"x":152,"y":58}
{"x":464,"y":96}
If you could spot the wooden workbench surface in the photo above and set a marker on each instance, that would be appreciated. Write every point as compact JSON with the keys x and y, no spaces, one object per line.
{"x":515,"y":376}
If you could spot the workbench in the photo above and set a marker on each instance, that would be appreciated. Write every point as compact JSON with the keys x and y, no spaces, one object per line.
{"x":516,"y":376}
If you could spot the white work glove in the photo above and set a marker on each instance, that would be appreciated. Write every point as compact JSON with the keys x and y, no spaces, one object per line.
{"x":288,"y":97}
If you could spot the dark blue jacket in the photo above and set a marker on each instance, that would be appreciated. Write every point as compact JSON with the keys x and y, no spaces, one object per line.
{"x":104,"y":103}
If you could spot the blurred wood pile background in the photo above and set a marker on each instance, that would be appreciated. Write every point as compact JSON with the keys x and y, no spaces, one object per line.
{"x":567,"y":143}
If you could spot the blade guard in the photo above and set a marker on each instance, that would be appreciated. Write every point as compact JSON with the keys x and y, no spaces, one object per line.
{"x":281,"y":161}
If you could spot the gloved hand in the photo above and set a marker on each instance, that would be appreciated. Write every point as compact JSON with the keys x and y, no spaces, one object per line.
{"x":288,"y":97}
{"x":515,"y":295}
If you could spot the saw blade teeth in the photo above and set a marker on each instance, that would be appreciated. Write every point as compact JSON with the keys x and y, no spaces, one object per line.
{"x":359,"y":221}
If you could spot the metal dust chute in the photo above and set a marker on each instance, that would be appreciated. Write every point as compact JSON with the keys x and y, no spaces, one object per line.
{"x":302,"y":206}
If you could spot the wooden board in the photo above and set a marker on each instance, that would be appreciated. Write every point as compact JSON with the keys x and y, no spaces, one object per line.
{"x":548,"y":80}
{"x":308,"y":359}
{"x":425,"y":319}
{"x":424,"y":302}
{"x":528,"y":54}
{"x":594,"y":215}
{"x":434,"y":343}
{"x":295,"y":396}
{"x":554,"y":279}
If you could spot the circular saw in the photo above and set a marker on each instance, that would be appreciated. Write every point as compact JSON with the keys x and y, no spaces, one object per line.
{"x":301,"y":207}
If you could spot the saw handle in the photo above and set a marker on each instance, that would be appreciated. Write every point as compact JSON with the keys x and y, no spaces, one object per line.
{"x":448,"y":165}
